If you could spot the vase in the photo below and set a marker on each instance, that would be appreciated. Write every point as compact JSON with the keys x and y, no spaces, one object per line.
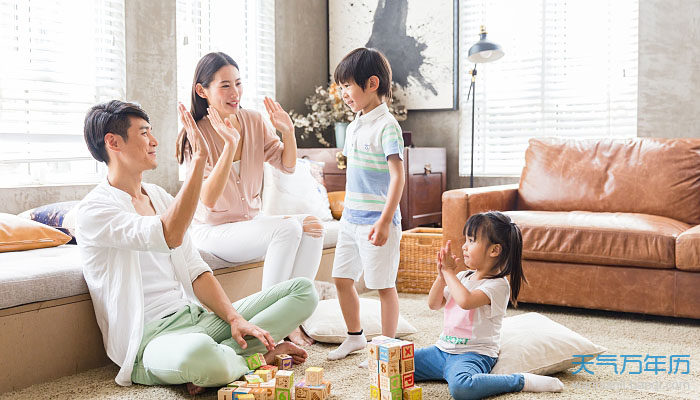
{"x":340,"y":128}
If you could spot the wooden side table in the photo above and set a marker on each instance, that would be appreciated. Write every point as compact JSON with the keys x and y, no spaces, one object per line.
{"x":426,"y":179}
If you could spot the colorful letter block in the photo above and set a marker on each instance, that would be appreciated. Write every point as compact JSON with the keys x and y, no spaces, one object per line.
{"x":255,"y":361}
{"x":225,"y":393}
{"x":313,"y":376}
{"x":284,"y":380}
{"x":407,"y":380}
{"x":390,"y":395}
{"x":284,"y":361}
{"x":407,"y":365}
{"x":301,"y":391}
{"x":389,"y":368}
{"x":406,"y":349}
{"x":252,"y":379}
{"x":389,"y":382}
{"x":272,"y":368}
{"x":264,"y":374}
{"x":374,"y":392}
{"x":413,"y":393}
{"x":283,"y":394}
{"x":245,"y":396}
{"x":390,"y":351}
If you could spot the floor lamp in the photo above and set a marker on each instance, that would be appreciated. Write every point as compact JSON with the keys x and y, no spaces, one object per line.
{"x":482,"y":51}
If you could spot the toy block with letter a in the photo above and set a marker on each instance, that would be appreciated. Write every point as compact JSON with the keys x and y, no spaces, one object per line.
{"x":313,"y":376}
{"x":284,"y":361}
{"x":255,"y":361}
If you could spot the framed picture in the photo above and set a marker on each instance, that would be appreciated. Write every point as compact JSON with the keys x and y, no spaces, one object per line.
{"x":420,"y":39}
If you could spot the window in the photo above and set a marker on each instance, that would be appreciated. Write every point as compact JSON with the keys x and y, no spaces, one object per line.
{"x":59,"y":59}
{"x":243,"y":29}
{"x":569,"y":70}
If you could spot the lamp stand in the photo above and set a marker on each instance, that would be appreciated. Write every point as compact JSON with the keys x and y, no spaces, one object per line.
{"x":472,"y":90}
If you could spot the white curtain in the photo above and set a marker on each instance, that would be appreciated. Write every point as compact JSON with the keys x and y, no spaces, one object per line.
{"x":569,"y":70}
{"x":243,"y":29}
{"x":58,"y":59}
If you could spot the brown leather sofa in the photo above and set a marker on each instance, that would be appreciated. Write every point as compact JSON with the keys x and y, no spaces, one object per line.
{"x":607,"y":224}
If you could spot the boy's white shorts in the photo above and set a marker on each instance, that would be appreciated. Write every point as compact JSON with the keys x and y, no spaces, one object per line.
{"x":354,"y":253}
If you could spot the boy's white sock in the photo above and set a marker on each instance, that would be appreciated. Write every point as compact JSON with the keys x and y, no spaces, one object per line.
{"x":540,"y":383}
{"x":364,"y":364}
{"x":350,"y":344}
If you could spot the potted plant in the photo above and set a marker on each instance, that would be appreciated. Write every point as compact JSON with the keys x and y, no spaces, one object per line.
{"x":328,"y":109}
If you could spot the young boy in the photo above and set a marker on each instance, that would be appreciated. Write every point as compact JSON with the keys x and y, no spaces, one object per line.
{"x":371,"y":224}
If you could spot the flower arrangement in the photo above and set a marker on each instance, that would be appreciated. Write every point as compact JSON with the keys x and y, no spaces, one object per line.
{"x":327,"y":108}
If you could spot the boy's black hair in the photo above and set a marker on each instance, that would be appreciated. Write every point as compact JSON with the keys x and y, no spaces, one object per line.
{"x":499,"y":229}
{"x":110,"y":117}
{"x":362,"y":63}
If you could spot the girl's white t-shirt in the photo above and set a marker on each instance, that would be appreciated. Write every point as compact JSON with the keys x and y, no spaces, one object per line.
{"x":477,"y":330}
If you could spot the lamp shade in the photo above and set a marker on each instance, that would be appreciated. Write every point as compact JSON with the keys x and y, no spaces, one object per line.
{"x":484,"y":50}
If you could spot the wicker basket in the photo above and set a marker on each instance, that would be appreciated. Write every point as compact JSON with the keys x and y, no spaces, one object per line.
{"x":417,"y":269}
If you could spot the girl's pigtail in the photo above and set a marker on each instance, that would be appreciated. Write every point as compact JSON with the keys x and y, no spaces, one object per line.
{"x":514,"y":264}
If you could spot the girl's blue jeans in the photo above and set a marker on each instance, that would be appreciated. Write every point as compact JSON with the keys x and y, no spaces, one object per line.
{"x":467,"y":374}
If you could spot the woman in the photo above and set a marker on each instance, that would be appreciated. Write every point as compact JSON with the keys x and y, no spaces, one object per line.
{"x":227,"y":223}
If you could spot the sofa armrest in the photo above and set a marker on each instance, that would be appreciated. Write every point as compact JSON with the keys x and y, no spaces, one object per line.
{"x":459,"y":204}
{"x":688,"y":250}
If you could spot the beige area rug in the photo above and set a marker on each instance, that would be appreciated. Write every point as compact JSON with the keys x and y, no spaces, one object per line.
{"x":620,"y":333}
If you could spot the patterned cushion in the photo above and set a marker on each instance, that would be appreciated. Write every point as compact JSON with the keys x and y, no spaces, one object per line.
{"x":58,"y":215}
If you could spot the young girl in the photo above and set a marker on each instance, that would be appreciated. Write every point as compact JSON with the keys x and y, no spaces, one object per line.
{"x":475,"y":302}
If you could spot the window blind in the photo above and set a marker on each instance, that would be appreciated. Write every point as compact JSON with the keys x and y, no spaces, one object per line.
{"x":243,"y":29}
{"x":59,"y":59}
{"x":569,"y":70}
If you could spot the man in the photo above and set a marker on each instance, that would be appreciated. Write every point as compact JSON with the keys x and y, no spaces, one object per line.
{"x":148,"y":283}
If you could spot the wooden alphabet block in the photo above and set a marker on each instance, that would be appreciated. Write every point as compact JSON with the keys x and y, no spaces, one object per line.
{"x":252,"y":379}
{"x":264,"y":374}
{"x":327,"y":384}
{"x":284,"y":380}
{"x":236,"y":384}
{"x":413,"y":393}
{"x":301,"y":391}
{"x":317,"y":392}
{"x":388,"y":383}
{"x":390,"y":351}
{"x":373,"y":379}
{"x":391,"y":395}
{"x":374,"y":392}
{"x":284,"y":361}
{"x":245,"y":396}
{"x":283,"y":394}
{"x":373,"y":365}
{"x":313,"y":376}
{"x":389,"y":368}
{"x":272,"y":368}
{"x":407,"y":380}
{"x":255,"y":361}
{"x":225,"y":393}
{"x":407,"y":365}
{"x":406,"y":349}
{"x":372,"y":351}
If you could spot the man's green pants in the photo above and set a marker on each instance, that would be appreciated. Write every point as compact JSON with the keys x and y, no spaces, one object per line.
{"x":195,"y":345}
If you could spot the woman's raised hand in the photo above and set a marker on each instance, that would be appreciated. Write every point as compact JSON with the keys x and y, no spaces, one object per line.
{"x":194,"y":135}
{"x":278,"y":117}
{"x":224,"y":128}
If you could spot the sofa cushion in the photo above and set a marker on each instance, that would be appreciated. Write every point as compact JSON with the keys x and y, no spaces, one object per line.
{"x":641,"y":175}
{"x":18,"y":233}
{"x":688,"y":250}
{"x":585,"y":237}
